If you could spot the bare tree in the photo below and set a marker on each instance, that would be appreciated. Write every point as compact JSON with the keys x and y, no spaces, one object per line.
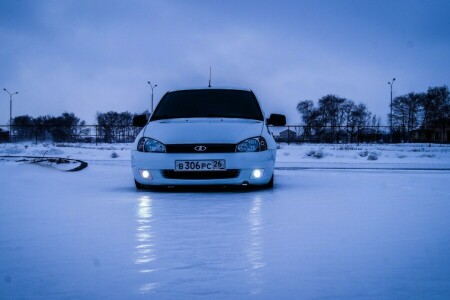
{"x":23,"y":127}
{"x":116,"y":127}
{"x":406,"y":112}
{"x":436,"y":104}
{"x":65,"y":128}
{"x":333,"y":118}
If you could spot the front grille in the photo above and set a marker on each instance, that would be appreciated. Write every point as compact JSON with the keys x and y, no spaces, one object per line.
{"x":207,"y":148}
{"x":192,"y":175}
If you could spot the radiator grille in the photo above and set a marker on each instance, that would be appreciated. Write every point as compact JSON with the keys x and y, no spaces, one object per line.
{"x":201,"y":148}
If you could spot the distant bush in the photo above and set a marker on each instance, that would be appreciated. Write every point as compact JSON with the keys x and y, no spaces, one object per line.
{"x":318,"y":154}
{"x":372,"y":156}
{"x":310,"y":152}
{"x":315,"y":153}
{"x":363,"y":153}
{"x":114,"y":155}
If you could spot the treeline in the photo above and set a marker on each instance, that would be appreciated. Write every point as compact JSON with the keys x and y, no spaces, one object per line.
{"x":332,"y":119}
{"x":117,"y":127}
{"x":425,"y":111}
{"x":111,"y":127}
{"x":58,"y":129}
{"x":335,"y":119}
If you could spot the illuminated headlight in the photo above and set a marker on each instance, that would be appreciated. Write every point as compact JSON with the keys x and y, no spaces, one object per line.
{"x":150,"y":145}
{"x":145,"y":174}
{"x":257,"y":173}
{"x":252,"y":145}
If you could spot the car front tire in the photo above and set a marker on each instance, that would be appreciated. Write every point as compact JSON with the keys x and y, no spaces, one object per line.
{"x":269,"y":185}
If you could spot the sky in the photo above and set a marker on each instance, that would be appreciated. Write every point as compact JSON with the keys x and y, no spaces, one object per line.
{"x":90,"y":56}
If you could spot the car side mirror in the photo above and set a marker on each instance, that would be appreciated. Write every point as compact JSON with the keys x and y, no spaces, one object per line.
{"x":140,"y":120}
{"x":276,"y":120}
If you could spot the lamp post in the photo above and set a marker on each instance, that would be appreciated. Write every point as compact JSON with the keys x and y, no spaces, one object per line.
{"x":152,"y":86}
{"x":10,"y":111}
{"x":391,"y":83}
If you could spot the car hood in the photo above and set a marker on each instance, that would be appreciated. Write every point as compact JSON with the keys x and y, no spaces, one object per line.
{"x":203,"y":130}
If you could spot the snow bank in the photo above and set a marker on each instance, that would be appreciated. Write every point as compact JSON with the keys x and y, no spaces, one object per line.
{"x":364,"y":155}
{"x":309,"y":155}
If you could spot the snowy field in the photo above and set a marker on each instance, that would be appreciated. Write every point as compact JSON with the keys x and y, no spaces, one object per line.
{"x":434,"y":156}
{"x":337,"y":225}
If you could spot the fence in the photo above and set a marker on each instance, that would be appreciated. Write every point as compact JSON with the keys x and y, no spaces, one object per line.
{"x":287,"y":134}
{"x":328,"y":134}
{"x":69,"y":134}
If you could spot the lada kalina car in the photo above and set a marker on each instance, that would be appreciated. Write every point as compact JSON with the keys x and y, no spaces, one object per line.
{"x":205,"y":137}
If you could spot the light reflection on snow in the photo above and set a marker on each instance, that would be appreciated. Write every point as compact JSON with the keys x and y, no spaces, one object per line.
{"x":144,"y":289}
{"x":146,"y":271}
{"x":255,"y":250}
{"x":145,"y":252}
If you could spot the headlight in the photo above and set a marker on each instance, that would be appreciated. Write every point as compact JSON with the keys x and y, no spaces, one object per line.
{"x":150,"y":145}
{"x":252,"y":145}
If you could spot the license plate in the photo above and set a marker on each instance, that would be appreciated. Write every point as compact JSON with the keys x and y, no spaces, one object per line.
{"x":200,"y":165}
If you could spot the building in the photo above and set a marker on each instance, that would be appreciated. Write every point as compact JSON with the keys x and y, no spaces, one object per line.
{"x":435,"y":132}
{"x":288,"y":135}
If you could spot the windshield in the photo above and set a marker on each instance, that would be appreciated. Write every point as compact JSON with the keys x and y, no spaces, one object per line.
{"x":208,"y":104}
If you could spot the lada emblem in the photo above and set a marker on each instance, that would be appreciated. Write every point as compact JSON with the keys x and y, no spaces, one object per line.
{"x":200,"y":148}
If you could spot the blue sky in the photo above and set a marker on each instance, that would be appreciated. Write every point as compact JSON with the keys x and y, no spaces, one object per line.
{"x":88,"y":56}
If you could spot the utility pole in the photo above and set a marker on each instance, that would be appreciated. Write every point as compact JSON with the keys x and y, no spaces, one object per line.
{"x":152,"y":87}
{"x":391,"y":83}
{"x":10,"y":112}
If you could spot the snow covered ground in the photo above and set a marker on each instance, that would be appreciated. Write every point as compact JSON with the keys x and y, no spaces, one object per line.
{"x":373,"y":231}
{"x":288,"y":156}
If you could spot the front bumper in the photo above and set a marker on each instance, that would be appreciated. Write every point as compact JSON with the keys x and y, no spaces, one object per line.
{"x":159,"y":164}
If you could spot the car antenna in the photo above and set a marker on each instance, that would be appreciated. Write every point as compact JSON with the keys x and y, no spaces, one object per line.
{"x":209,"y":84}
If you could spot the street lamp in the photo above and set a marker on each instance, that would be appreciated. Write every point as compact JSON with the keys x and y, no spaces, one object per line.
{"x":391,"y":83}
{"x":152,"y":86}
{"x":10,"y":110}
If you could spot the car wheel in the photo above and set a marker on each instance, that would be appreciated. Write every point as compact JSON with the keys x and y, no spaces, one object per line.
{"x":269,"y":185}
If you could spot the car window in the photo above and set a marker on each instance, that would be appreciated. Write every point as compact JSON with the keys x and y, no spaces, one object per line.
{"x":208,"y":103}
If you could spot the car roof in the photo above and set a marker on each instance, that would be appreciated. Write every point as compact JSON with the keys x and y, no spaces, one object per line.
{"x":210,"y":88}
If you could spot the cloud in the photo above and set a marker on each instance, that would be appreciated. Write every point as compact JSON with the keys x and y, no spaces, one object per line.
{"x":89,"y":56}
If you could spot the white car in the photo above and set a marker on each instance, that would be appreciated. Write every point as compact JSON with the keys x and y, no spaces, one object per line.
{"x":205,"y":137}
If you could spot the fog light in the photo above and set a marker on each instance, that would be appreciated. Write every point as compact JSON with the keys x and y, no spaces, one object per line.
{"x":257,"y":173}
{"x":145,"y":174}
